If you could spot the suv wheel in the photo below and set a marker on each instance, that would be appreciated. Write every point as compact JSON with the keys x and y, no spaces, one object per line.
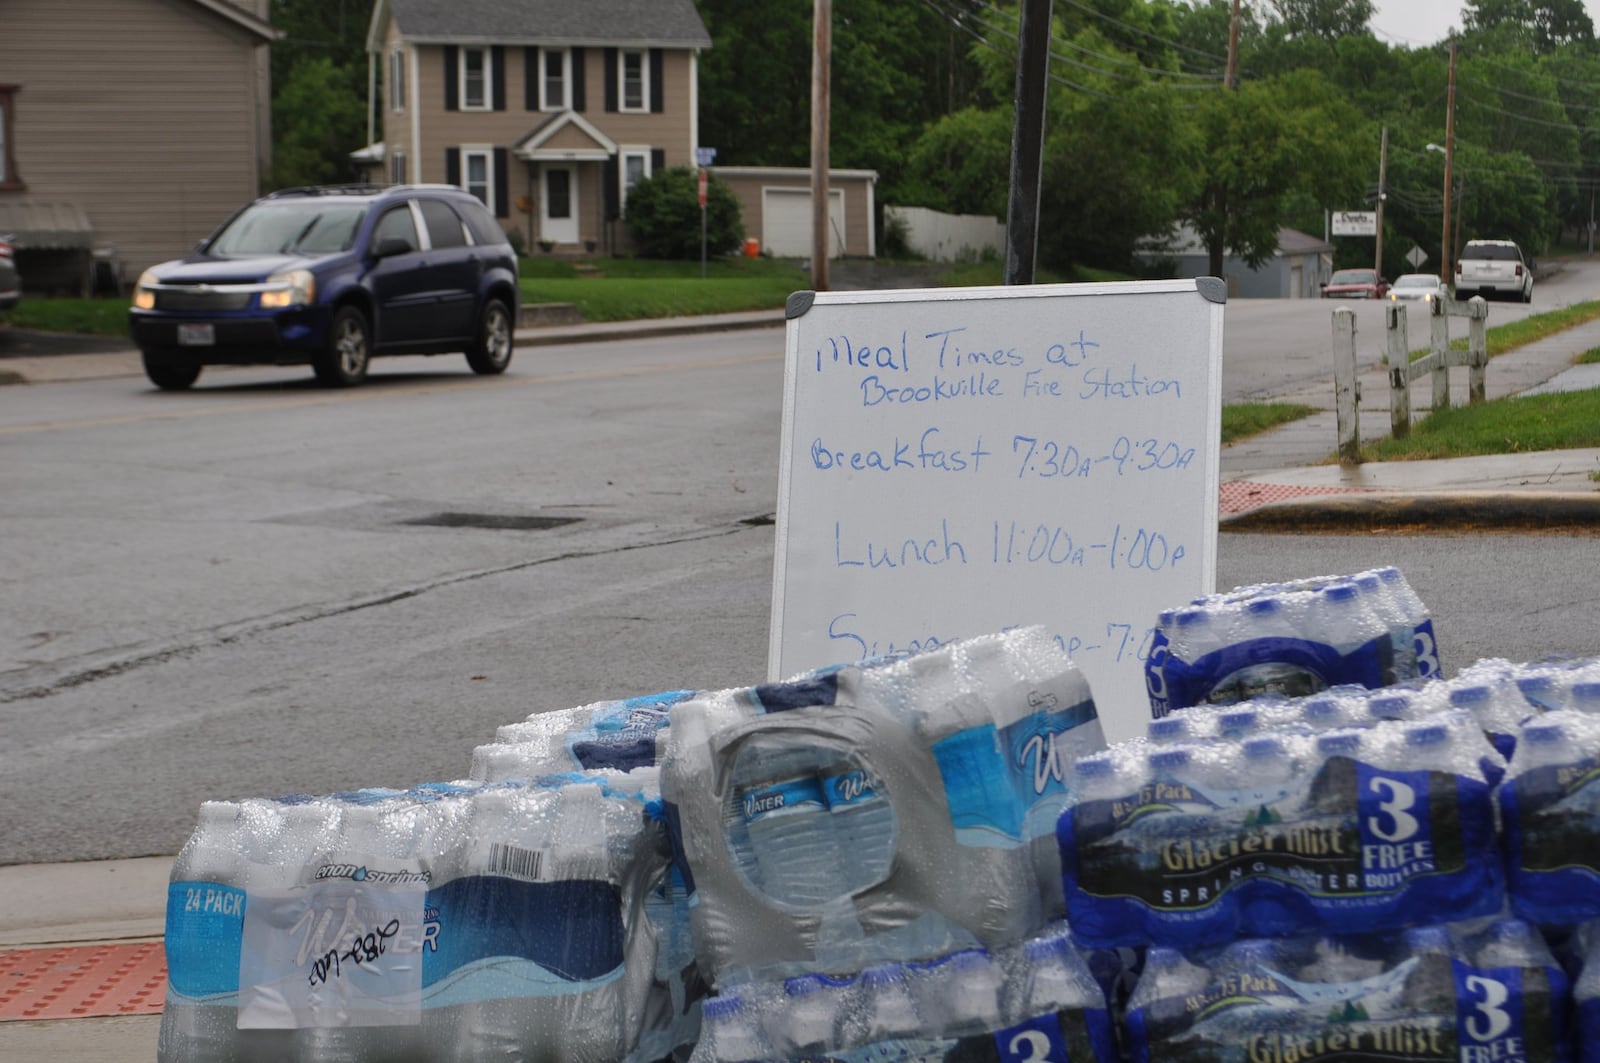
{"x":344,"y":362}
{"x":491,"y":352}
{"x":170,"y":371}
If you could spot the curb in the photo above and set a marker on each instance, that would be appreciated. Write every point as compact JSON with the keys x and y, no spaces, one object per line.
{"x":551,"y":335}
{"x":1471,"y":511}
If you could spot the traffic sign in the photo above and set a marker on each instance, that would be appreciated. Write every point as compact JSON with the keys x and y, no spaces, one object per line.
{"x":1416,"y":256}
{"x":705,"y":156}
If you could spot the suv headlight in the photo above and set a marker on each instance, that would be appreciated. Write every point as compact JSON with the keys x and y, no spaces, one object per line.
{"x":297,"y":287}
{"x":144,"y":296}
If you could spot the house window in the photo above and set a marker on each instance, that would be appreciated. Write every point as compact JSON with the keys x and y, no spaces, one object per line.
{"x":475,"y":76}
{"x":8,"y":164}
{"x":635,"y":87}
{"x":477,"y":173}
{"x":397,"y":80}
{"x":397,"y":168}
{"x":635,"y":164}
{"x":553,"y":78}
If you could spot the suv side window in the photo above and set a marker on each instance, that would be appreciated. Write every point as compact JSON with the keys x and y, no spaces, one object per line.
{"x":485,"y":230}
{"x":444,"y":228}
{"x":397,"y":223}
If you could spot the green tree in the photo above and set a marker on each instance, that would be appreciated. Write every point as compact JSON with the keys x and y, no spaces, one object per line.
{"x":319,"y":89}
{"x":1546,"y":26}
{"x":1328,"y":19}
{"x":663,"y":214}
{"x":312,"y":116}
{"x":1262,"y":143}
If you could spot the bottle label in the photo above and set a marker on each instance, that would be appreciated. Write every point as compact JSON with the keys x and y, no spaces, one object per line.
{"x":1552,"y":817}
{"x":804,"y":792}
{"x":1351,"y":848}
{"x":204,"y":925}
{"x":1414,"y":1008}
{"x":347,"y":952}
{"x":848,"y":788}
{"x":1288,"y":666}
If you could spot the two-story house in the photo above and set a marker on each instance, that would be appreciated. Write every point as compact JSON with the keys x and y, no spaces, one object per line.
{"x":127,"y":127}
{"x":548,"y":110}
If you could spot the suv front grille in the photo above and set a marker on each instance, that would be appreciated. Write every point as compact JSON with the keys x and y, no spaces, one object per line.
{"x":201,"y":299}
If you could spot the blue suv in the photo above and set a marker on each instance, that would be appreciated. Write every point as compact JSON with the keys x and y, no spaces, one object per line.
{"x":333,"y":277}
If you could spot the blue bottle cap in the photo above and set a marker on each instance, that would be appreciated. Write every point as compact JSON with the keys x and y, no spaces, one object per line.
{"x":1257,"y":748}
{"x":1237,"y":720}
{"x":1168,"y":727}
{"x":1189,"y":617}
{"x":1428,"y":734}
{"x":1340,"y":592}
{"x":1389,"y":706}
{"x":1338,"y":742}
{"x":1542,"y":734}
{"x":1470,"y":696}
{"x":1099,"y":766}
{"x":883,"y":974}
{"x":802,"y":985}
{"x":1262,"y":606}
{"x":1169,"y":759}
{"x":1586,"y":691}
{"x":723,"y":1007}
{"x":1320,"y":709}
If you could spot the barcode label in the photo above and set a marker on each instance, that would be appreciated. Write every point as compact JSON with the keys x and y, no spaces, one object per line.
{"x":514,"y":861}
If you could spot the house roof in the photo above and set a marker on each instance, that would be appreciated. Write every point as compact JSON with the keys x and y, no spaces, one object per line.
{"x":632,"y":23}
{"x":585,"y":142}
{"x":1183,"y":240}
{"x":233,"y":13}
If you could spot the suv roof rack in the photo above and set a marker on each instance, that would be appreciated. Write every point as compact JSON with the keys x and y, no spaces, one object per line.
{"x":327,"y":190}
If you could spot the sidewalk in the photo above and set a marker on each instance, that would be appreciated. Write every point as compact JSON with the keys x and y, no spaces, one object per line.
{"x":79,"y":940}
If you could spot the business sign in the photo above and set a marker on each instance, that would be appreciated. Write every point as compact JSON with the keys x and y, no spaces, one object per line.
{"x":1355,"y":223}
{"x":705,"y":156}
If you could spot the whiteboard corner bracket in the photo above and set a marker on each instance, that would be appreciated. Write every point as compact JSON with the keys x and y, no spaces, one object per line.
{"x":1211,"y":289}
{"x":798,"y":304}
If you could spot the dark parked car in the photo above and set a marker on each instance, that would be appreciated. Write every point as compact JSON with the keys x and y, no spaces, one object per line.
{"x":1355,"y":284}
{"x":10,"y":283}
{"x":332,"y":277}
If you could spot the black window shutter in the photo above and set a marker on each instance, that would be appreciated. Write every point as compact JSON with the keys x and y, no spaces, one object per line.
{"x":451,"y":57}
{"x":530,"y":79}
{"x":502,"y":178}
{"x":658,"y":160}
{"x":498,"y":61}
{"x":578,"y":100}
{"x":613,"y":189}
{"x":611,"y":80}
{"x":452,"y":166}
{"x":657,"y":104}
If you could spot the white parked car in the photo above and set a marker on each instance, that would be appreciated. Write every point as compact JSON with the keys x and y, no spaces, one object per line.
{"x":1494,"y":267}
{"x":1425,"y":287}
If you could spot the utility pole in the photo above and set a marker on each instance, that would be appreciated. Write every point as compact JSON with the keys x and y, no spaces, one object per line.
{"x":1027,"y":142}
{"x":1231,"y":78}
{"x":1383,"y":168}
{"x":821,"y":61}
{"x":1445,"y":249}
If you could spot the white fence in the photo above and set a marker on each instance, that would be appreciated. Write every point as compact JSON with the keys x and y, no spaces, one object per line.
{"x":947,"y":237}
{"x":1402,"y":370}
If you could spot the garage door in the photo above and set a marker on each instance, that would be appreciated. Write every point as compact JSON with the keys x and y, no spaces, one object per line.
{"x":786,"y":222}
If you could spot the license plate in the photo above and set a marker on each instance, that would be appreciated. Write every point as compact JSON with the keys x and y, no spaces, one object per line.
{"x":197,"y":335}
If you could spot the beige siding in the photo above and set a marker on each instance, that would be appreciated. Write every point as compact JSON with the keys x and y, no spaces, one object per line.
{"x":669,"y":131}
{"x":858,"y":204}
{"x":147,"y":113}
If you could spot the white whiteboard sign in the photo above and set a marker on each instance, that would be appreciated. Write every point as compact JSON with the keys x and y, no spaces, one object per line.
{"x":958,"y":461}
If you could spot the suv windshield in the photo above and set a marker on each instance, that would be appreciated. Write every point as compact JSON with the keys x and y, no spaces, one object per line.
{"x":303,"y":227}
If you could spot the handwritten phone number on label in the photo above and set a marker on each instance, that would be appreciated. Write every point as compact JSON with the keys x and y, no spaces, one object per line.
{"x":1121,"y":640}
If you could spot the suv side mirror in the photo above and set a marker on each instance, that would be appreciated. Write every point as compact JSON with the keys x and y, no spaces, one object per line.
{"x":390,"y":246}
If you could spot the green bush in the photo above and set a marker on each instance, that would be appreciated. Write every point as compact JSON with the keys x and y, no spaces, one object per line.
{"x":663,"y":213}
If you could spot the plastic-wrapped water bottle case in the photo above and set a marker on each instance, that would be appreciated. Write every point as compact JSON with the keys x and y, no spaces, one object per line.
{"x":1324,"y":851}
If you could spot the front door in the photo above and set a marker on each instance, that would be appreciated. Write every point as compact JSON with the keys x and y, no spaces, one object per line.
{"x":558,"y":210}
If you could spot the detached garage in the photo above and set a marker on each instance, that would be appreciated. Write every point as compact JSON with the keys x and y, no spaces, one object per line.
{"x":776,"y":205}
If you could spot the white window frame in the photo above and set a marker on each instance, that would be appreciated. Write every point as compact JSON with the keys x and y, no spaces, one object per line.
{"x":643,"y":55}
{"x":397,"y":168}
{"x":624,"y":153}
{"x":546,"y":103}
{"x":487,"y":103}
{"x":397,"y":81}
{"x":485,"y":152}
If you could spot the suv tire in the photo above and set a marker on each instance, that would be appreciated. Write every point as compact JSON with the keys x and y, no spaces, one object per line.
{"x":343,"y":362}
{"x":170,"y":371}
{"x":490,"y":353}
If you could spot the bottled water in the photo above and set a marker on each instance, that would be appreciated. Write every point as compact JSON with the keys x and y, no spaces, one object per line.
{"x":811,"y":1019}
{"x":887,"y":1010}
{"x":1384,"y":599}
{"x":863,"y":825}
{"x":786,"y":819}
{"x":732,"y":1032}
{"x":1345,"y":622}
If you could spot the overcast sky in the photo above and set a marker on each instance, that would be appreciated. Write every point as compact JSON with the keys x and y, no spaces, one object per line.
{"x":1421,"y":22}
